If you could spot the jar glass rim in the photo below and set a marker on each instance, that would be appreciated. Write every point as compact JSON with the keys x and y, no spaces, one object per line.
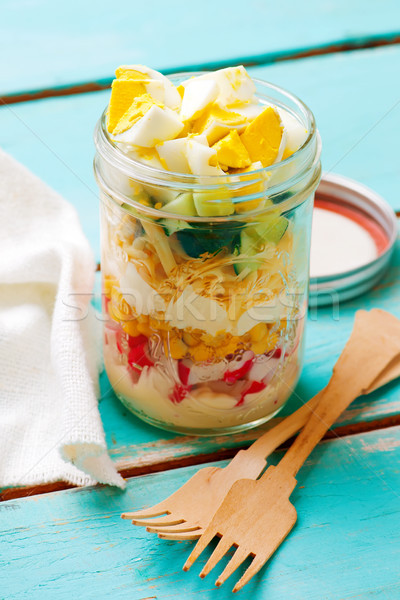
{"x":137,"y":169}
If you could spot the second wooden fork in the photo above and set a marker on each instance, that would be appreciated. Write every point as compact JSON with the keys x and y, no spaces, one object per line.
{"x":256,"y":516}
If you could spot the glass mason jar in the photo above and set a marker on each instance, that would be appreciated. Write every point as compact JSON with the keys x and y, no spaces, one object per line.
{"x":204,"y":316}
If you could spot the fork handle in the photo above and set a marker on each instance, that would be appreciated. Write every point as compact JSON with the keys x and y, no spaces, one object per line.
{"x":356,"y":370}
{"x":287,"y":428}
{"x":333,"y":402}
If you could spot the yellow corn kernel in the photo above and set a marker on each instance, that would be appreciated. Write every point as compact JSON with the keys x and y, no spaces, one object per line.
{"x":229,"y":347}
{"x":131,"y":328}
{"x":189,"y":339}
{"x":201,"y":352}
{"x":158,"y":325}
{"x":215,"y":340}
{"x":144,"y":327}
{"x":177,"y":348}
{"x":108,"y":284}
{"x":258,"y":332}
{"x":266,"y":344}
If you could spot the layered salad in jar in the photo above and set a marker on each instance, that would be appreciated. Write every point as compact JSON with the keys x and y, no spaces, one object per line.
{"x":203,"y":295}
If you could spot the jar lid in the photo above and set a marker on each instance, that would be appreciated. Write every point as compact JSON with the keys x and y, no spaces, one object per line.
{"x":353,"y":235}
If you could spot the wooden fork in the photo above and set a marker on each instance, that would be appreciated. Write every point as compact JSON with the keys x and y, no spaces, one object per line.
{"x":185,"y":517}
{"x":182,"y":517}
{"x":256,"y":516}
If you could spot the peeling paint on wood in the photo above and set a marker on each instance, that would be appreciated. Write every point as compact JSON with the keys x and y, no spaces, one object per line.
{"x":384,"y":444}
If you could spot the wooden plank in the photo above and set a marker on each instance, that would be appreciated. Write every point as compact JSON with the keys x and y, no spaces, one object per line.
{"x":350,"y":94}
{"x":45,"y":47}
{"x":345,"y":544}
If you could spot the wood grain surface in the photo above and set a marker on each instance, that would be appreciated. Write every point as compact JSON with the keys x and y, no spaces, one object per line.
{"x":46,"y":45}
{"x":345,"y":544}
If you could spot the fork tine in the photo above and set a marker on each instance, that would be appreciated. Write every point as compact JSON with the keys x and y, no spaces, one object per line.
{"x":205,"y":539}
{"x":189,"y":535}
{"x":237,"y":559}
{"x":255,"y":566}
{"x":167,"y":520}
{"x":152,"y":511}
{"x":219,"y":552}
{"x":180,"y":528}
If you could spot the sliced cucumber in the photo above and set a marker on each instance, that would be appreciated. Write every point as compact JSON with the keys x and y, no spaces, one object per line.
{"x":204,"y":237}
{"x":248,"y":248}
{"x":182,"y":205}
{"x":207,"y":205}
{"x":130,"y":209}
{"x":173,"y":225}
{"x":191,"y":242}
{"x":271,"y":229}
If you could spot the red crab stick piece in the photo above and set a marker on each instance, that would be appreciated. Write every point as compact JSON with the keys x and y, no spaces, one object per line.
{"x":232,"y":376}
{"x":183,"y":372}
{"x":254,"y":387}
{"x":137,"y":357}
{"x":136,"y":341}
{"x":180,"y":391}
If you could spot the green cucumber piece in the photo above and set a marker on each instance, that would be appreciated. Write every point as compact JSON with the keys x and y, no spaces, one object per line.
{"x":173,"y":225}
{"x":271,"y":230}
{"x":204,"y":237}
{"x":248,"y":248}
{"x":208,"y":206}
{"x":192,"y":244}
{"x":182,"y":205}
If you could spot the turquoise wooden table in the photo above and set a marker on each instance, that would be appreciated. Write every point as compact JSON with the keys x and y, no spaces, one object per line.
{"x":343,"y":59}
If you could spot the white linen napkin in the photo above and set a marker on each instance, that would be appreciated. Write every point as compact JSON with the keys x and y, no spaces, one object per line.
{"x":50,"y":425}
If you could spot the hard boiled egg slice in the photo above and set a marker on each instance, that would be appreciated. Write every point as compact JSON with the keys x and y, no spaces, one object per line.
{"x":262,"y":137}
{"x":216,"y":122}
{"x":231,"y":153}
{"x":155,"y":126}
{"x":250,"y":111}
{"x":125,"y":91}
{"x":172,"y":97}
{"x":296,"y":133}
{"x":198,"y":95}
{"x":147,"y":156}
{"x":234,"y":85}
{"x":156,"y":90}
{"x":201,"y":159}
{"x":173,"y":154}
{"x":282,"y":146}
